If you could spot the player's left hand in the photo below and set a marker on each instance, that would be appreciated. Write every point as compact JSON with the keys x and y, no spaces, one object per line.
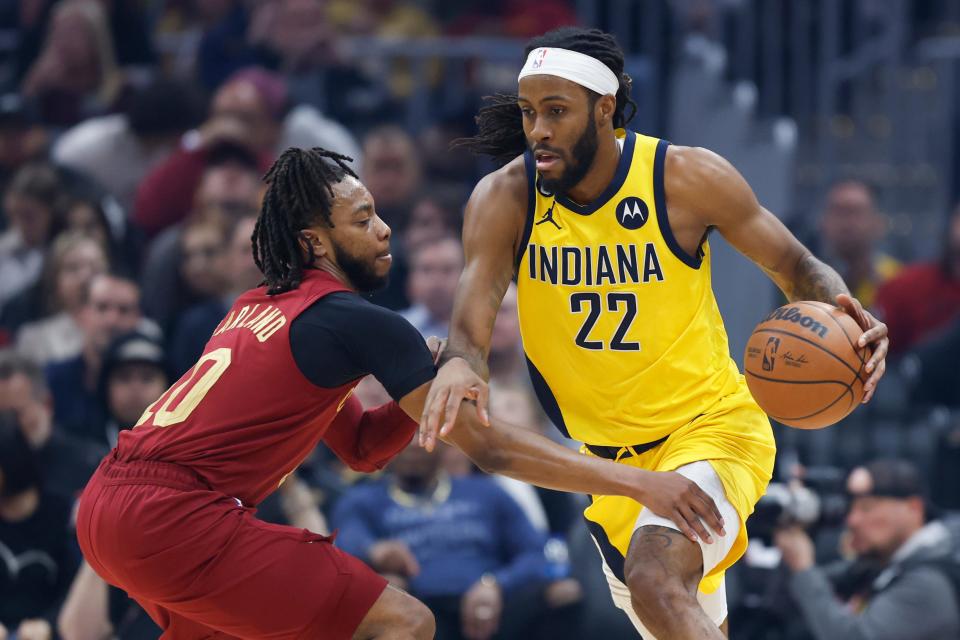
{"x":796,"y":547}
{"x":34,"y":629}
{"x":480,"y":611}
{"x":874,"y":336}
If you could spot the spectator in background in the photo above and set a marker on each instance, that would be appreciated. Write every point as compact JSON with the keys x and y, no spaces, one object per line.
{"x":87,"y":214}
{"x":66,"y":462}
{"x":22,"y":139}
{"x":893,"y":589}
{"x":197,"y":323}
{"x":74,"y":260}
{"x":35,"y":541}
{"x":555,"y":513}
{"x":134,"y":375}
{"x":851,"y":227}
{"x":223,"y":47}
{"x":392,"y":172}
{"x":460,"y":545}
{"x":434,"y":273}
{"x":203,"y":266}
{"x":229,"y":189}
{"x":76,"y":74}
{"x":923,"y":298}
{"x":512,"y":18}
{"x":112,"y":309}
{"x":119,"y":150}
{"x":295,"y":32}
{"x":249,"y":111}
{"x":506,"y":362}
{"x":389,"y":19}
{"x":435,"y":215}
{"x":31,"y":205}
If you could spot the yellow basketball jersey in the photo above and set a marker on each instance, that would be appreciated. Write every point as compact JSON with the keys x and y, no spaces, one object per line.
{"x":621,"y":329}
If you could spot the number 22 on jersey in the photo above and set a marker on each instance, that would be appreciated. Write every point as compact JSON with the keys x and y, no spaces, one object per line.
{"x":178,"y":402}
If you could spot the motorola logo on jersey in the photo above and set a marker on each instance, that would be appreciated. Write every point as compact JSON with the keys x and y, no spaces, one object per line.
{"x":632,"y":213}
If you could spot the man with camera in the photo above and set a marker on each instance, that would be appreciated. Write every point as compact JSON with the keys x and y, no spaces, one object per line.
{"x":902,"y":582}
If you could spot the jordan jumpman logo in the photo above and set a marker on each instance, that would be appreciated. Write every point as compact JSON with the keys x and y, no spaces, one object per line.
{"x":548,"y":217}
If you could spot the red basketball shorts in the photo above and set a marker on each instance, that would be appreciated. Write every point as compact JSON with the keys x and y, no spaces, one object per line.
{"x":203,"y":567}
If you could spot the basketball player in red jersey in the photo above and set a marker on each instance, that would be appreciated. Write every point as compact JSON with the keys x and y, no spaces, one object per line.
{"x":168,"y":516}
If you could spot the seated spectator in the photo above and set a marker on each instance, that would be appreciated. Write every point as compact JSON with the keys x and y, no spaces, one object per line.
{"x":506,"y":361}
{"x":74,"y":260}
{"x":22,"y":138}
{"x":295,"y":32}
{"x":249,"y":111}
{"x":223,"y":47}
{"x":133,"y":376}
{"x":392,"y":172}
{"x":196,"y":324}
{"x":119,"y":150}
{"x":461,"y":545}
{"x":76,"y":74}
{"x":923,"y":298}
{"x":31,"y":207}
{"x":67,"y":462}
{"x":851,"y":227}
{"x":229,"y":190}
{"x":434,"y":274}
{"x":87,"y":213}
{"x":35,"y":541}
{"x":896,"y":587}
{"x":203,"y":265}
{"x":112,"y":308}
{"x":434,"y":216}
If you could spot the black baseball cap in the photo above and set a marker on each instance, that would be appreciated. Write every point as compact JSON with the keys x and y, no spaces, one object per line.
{"x":133,"y":348}
{"x":891,"y":478}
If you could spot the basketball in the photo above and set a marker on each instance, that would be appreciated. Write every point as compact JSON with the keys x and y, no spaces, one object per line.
{"x":803,"y":365}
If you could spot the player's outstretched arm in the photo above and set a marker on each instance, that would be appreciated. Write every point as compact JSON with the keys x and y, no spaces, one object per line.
{"x":492,"y":230}
{"x":704,"y":190}
{"x":521,"y":453}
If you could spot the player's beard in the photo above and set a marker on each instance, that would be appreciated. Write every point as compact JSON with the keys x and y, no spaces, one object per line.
{"x":361,"y":273}
{"x":578,"y":161}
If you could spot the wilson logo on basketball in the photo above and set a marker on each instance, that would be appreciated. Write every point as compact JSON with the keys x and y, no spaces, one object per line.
{"x":793,"y":314}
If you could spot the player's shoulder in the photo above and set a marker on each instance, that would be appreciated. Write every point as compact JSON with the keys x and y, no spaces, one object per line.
{"x":684,"y":163}
{"x":698,"y":179}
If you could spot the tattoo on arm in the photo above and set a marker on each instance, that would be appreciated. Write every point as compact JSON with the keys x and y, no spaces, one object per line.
{"x":464,"y":345}
{"x":814,"y":280}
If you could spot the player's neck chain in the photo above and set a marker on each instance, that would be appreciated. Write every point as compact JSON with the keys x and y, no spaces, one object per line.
{"x":424,"y":502}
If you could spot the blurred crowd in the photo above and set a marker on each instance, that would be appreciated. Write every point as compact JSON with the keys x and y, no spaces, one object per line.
{"x":133,"y":138}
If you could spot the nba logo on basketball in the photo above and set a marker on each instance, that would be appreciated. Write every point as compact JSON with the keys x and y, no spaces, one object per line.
{"x":538,"y":59}
{"x":770,"y":354}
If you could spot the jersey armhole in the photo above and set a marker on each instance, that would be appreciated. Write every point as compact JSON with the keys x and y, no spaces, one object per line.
{"x":531,"y":207}
{"x":663,"y":220}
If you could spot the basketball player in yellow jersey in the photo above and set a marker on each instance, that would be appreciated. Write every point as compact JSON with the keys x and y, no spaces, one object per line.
{"x":605,"y":231}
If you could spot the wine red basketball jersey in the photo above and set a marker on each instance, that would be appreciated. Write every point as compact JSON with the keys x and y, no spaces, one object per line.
{"x":244,"y":416}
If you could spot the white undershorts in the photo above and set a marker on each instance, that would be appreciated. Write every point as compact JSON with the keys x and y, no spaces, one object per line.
{"x":714,"y":604}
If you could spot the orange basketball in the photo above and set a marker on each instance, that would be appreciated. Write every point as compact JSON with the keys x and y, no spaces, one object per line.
{"x":803,"y":365}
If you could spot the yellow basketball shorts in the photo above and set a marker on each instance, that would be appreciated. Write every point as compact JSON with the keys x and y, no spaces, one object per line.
{"x":735,"y":437}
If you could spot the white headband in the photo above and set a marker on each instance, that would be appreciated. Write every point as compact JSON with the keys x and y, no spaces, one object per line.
{"x":574,"y":66}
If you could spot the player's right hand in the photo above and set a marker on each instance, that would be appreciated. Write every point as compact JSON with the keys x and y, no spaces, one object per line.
{"x":675,"y":497}
{"x":456,"y":381}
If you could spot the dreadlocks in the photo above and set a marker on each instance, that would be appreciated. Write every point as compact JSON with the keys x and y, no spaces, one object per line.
{"x":500,"y":121}
{"x":300,"y":193}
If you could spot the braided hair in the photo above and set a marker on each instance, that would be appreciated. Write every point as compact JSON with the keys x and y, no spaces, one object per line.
{"x":500,"y":121}
{"x":300,"y":193}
